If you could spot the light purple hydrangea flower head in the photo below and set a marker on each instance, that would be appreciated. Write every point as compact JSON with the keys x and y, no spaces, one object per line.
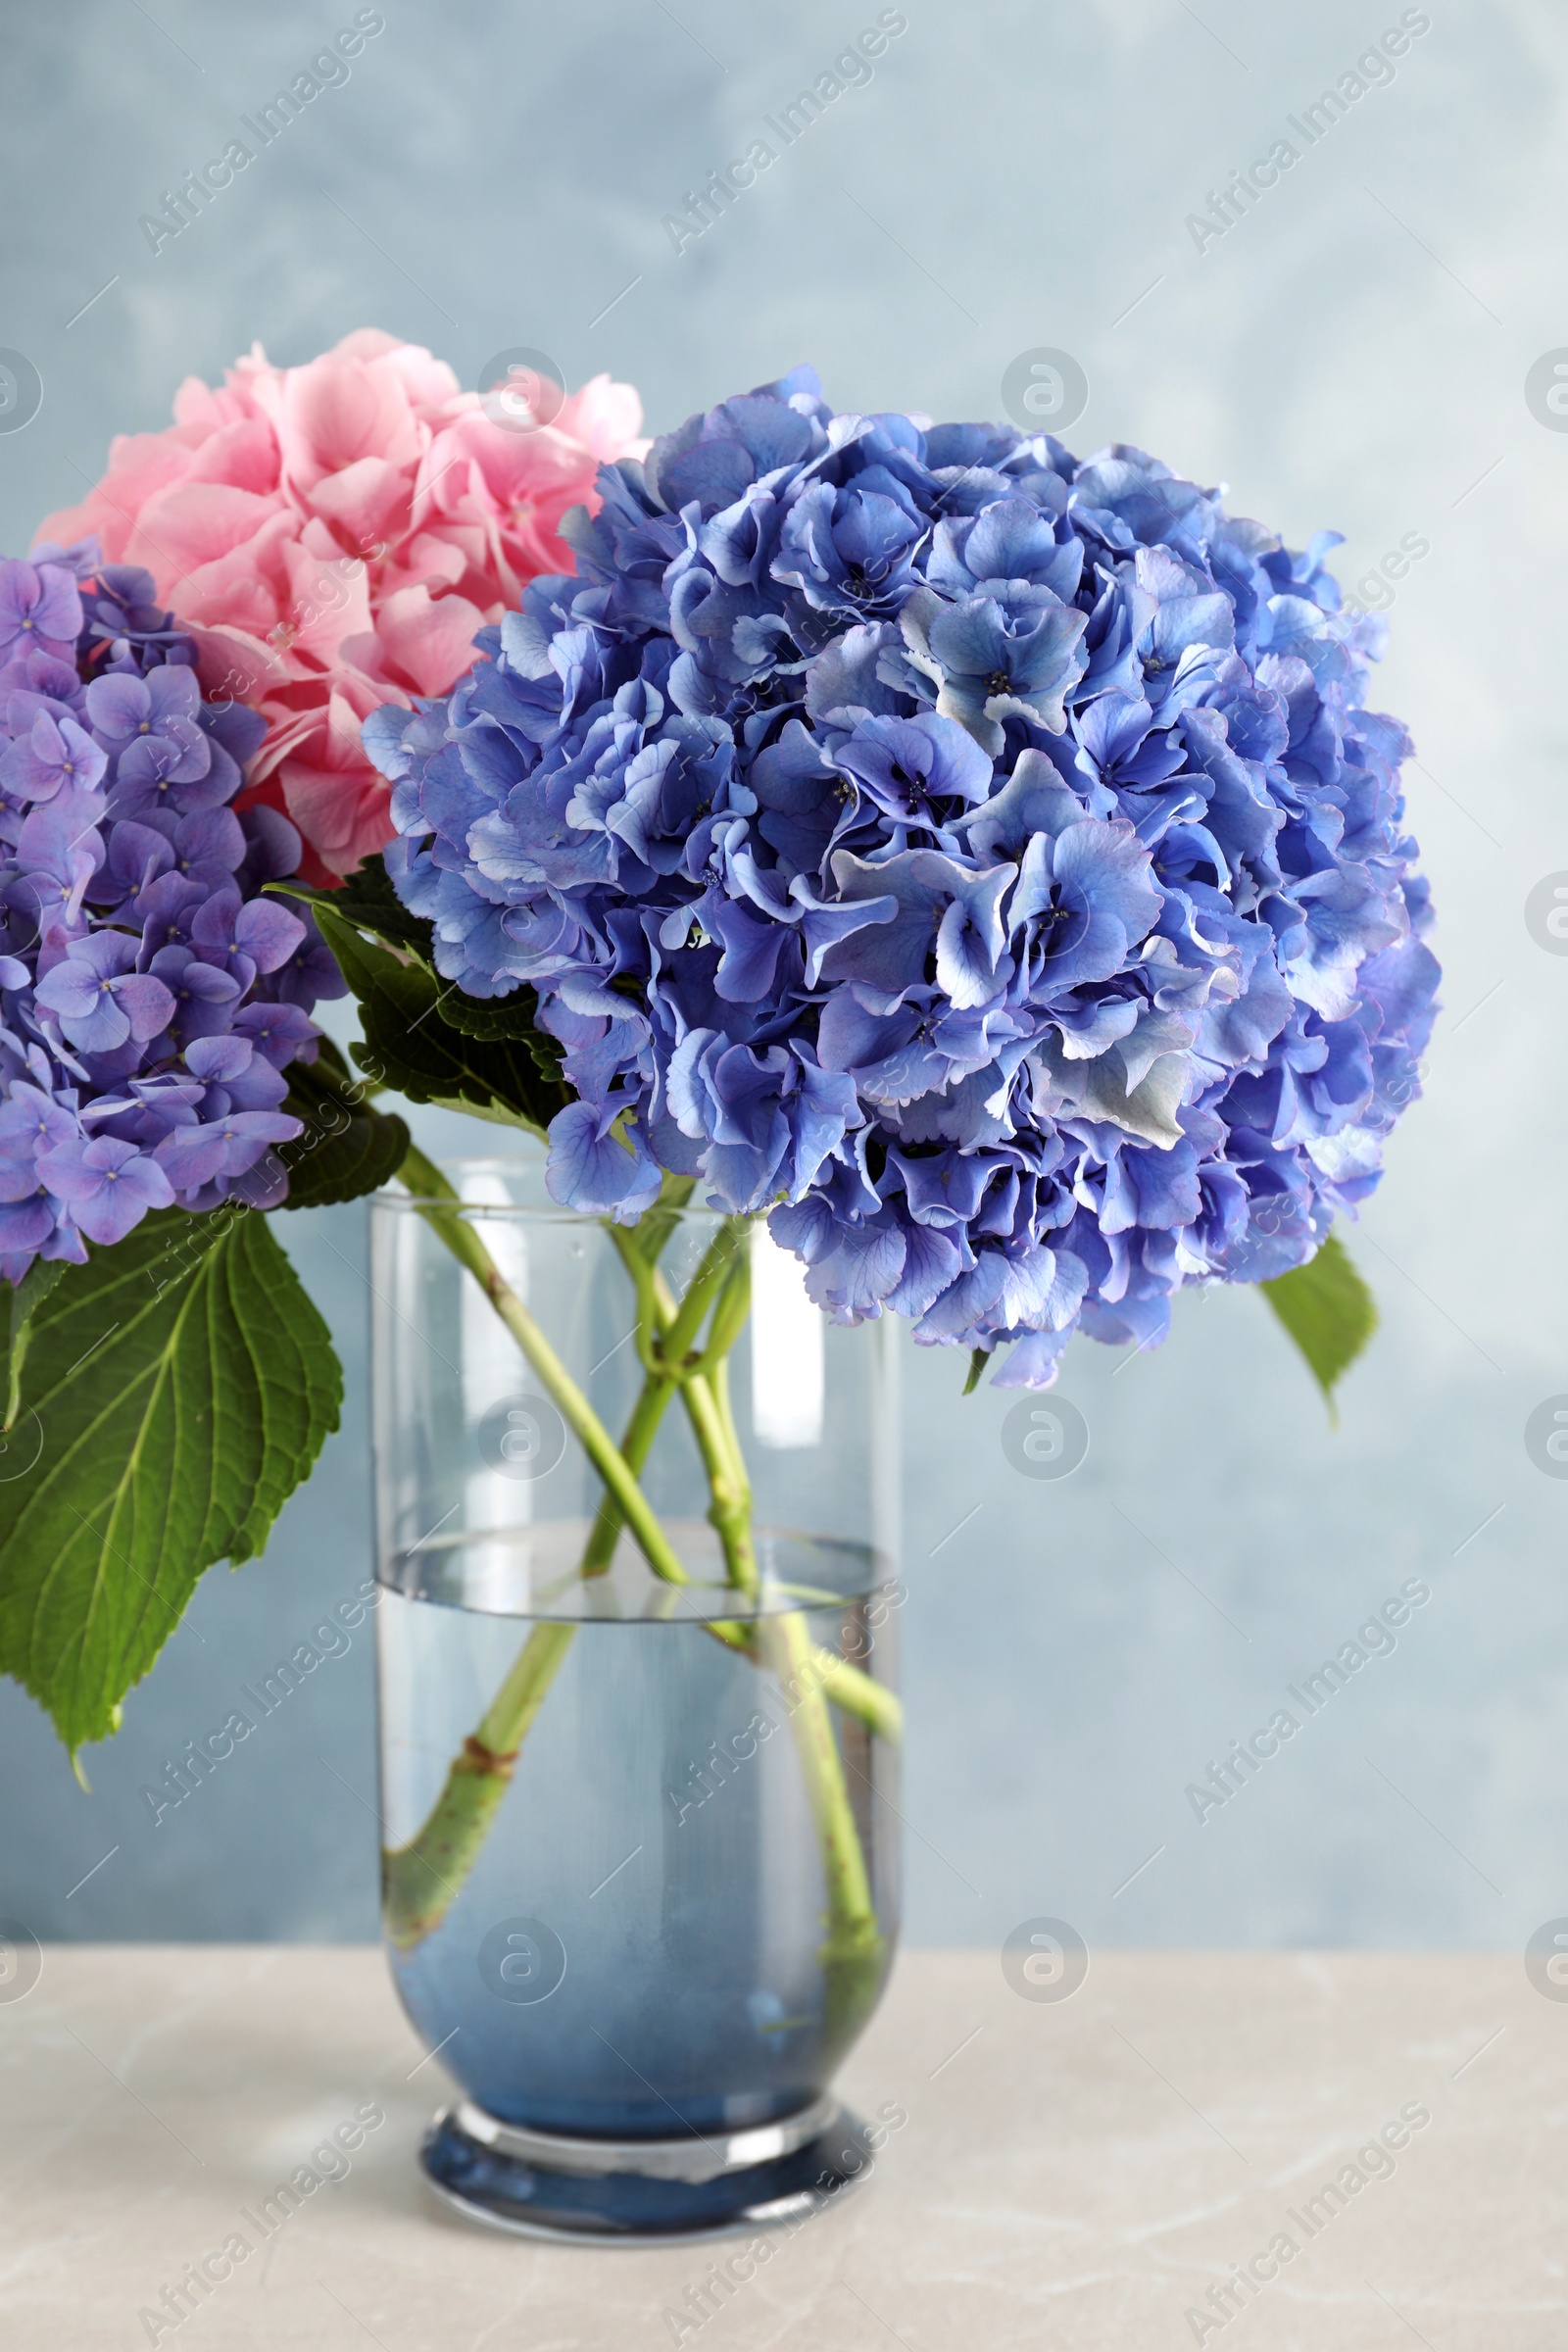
{"x":149,"y":999}
{"x":983,"y":861}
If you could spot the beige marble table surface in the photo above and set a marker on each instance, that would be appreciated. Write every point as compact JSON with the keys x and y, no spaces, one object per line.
{"x":1078,"y":2173}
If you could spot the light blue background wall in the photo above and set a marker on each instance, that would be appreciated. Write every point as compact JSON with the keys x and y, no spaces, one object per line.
{"x":1352,"y":352}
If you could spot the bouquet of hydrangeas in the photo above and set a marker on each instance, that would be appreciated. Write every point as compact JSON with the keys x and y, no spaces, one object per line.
{"x":979,"y":863}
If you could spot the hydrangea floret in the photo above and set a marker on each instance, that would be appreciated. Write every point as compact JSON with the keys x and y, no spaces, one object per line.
{"x":150,"y":997}
{"x":981,"y":859}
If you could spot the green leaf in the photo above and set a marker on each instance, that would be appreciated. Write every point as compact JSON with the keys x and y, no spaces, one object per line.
{"x":366,"y":900}
{"x":1328,"y":1311}
{"x":176,"y":1391}
{"x":979,"y":1360}
{"x":346,"y":1148}
{"x":409,"y":1044}
{"x":369,"y":901}
{"x":513,"y":1016}
{"x":34,"y":1286}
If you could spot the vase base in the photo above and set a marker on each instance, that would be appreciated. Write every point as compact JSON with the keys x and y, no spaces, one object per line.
{"x":643,"y":2192}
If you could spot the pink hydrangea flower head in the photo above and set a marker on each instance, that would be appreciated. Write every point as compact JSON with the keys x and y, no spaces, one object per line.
{"x":333,"y":536}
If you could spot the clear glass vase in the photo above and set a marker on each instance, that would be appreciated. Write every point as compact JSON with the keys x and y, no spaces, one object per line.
{"x":640,"y":1871}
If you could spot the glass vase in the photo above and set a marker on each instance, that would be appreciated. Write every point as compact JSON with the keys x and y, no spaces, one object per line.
{"x":640,"y":1868}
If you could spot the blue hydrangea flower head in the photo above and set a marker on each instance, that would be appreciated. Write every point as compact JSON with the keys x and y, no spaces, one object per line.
{"x":982,"y":860}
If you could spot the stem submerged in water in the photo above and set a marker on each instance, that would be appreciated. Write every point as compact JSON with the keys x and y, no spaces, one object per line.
{"x":854,"y":1952}
{"x":422,"y":1879}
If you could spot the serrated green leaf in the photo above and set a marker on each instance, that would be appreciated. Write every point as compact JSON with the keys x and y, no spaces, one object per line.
{"x":513,"y":1016}
{"x":176,"y":1390}
{"x":348,"y":1149}
{"x":411,"y":1046}
{"x":1328,"y":1311}
{"x":366,"y":900}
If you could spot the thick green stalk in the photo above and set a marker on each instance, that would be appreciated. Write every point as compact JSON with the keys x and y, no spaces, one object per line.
{"x":853,"y":1951}
{"x":457,"y":1231}
{"x":856,"y":1693}
{"x":730,"y":1509}
{"x":422,"y":1879}
{"x":657,"y":1319}
{"x":703,"y":1288}
{"x":869,"y":1701}
{"x":641,"y":1430}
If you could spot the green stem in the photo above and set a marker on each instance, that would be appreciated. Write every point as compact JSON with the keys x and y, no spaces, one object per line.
{"x":853,"y":1954}
{"x":853,"y":1951}
{"x":425,"y":1180}
{"x":705,"y":1285}
{"x":635,"y":1445}
{"x":422,"y":1879}
{"x":656,"y":1336}
{"x":729,"y":1511}
{"x":869,"y":1701}
{"x":730,"y":1508}
{"x":856,"y":1693}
